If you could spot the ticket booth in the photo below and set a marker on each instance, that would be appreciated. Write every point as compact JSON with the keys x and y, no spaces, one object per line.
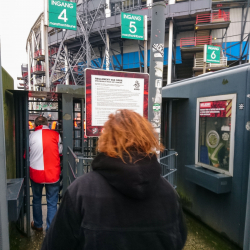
{"x":208,"y":124}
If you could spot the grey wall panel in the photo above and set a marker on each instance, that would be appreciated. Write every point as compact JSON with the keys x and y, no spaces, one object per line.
{"x":224,"y":212}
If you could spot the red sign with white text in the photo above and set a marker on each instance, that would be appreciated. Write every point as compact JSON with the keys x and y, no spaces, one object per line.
{"x":216,"y":108}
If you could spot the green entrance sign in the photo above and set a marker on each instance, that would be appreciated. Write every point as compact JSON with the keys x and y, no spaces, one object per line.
{"x":211,"y":54}
{"x":62,"y":14}
{"x":132,"y":26}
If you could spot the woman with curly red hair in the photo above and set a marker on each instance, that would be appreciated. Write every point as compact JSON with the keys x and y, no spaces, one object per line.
{"x":124,"y":203}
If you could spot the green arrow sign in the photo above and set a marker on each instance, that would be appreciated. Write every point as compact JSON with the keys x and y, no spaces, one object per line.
{"x":62,"y":14}
{"x":132,"y":26}
{"x":212,"y":54}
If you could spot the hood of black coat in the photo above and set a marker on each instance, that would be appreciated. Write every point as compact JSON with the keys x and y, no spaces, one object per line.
{"x":136,"y":180}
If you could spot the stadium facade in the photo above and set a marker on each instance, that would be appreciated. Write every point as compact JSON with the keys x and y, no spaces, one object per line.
{"x":97,"y":42}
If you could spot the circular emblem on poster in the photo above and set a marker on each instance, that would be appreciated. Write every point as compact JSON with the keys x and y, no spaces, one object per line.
{"x":95,"y":131}
{"x":156,"y":107}
{"x":225,"y":136}
{"x":213,"y":139}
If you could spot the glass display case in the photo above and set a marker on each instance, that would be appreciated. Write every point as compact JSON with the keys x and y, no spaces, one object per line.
{"x":215,"y":125}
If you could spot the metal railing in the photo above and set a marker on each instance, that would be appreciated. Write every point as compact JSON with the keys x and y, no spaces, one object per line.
{"x":198,"y":63}
{"x":195,"y":41}
{"x":77,"y":165}
{"x":53,"y":51}
{"x":38,"y":53}
{"x":41,"y":52}
{"x":37,"y":68}
{"x":24,"y":74}
{"x":168,"y":161}
{"x":220,"y":16}
{"x":57,"y":76}
{"x":40,"y":80}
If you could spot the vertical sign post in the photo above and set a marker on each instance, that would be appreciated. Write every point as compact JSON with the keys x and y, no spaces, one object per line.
{"x":156,"y":65}
{"x":145,"y":44}
{"x":204,"y":60}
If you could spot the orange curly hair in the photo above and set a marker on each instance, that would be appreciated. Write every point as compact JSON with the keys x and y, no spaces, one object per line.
{"x":127,"y":131}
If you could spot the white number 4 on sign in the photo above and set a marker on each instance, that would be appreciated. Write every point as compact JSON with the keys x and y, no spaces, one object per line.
{"x":63,"y":16}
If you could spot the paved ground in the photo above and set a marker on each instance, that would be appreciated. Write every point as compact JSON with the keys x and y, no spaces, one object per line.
{"x":199,"y":237}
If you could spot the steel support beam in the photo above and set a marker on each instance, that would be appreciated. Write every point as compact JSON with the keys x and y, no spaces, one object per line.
{"x":57,"y":57}
{"x":170,"y":46}
{"x":67,"y":109}
{"x":66,"y":64}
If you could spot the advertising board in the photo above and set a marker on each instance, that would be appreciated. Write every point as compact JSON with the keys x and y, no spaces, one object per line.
{"x":109,"y":91}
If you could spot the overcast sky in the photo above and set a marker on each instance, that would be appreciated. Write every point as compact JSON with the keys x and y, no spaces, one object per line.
{"x":16,"y":19}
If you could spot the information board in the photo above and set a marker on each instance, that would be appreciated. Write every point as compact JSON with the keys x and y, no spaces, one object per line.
{"x":62,"y":14}
{"x":132,"y":26}
{"x":108,"y":91}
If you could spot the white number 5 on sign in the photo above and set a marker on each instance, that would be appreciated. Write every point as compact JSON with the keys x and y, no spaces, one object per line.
{"x":132,"y":26}
{"x":63,"y":16}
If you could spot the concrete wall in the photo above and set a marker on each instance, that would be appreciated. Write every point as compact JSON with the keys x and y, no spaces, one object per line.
{"x":8,"y":83}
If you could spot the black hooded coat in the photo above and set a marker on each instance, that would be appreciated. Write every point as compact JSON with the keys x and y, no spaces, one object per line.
{"x":119,"y":206}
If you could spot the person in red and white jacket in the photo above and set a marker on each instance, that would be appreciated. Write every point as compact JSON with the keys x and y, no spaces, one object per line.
{"x":45,"y":149}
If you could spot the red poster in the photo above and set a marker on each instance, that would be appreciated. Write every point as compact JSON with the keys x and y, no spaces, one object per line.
{"x":107,"y":91}
{"x":216,"y":108}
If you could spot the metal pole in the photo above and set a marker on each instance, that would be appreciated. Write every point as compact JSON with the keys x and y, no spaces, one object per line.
{"x":46,"y":57}
{"x":107,"y":52}
{"x":33,"y":60}
{"x":156,"y":65}
{"x":66,"y":64}
{"x":170,"y":46}
{"x":4,"y":232}
{"x":170,"y":124}
{"x":46,"y":49}
{"x":145,"y":44}
{"x":204,"y":67}
{"x":170,"y":50}
{"x":204,"y":59}
{"x":107,"y":14}
{"x":139,"y":53}
{"x":149,"y":3}
{"x":107,"y":9}
{"x":29,"y":74}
